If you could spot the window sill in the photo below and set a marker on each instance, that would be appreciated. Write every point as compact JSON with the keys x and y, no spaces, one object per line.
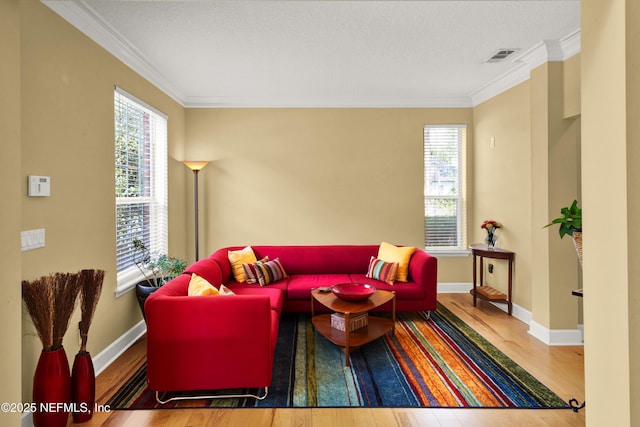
{"x":127,"y":281}
{"x":448,"y":253}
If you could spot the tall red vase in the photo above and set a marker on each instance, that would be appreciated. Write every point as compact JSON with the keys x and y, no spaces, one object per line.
{"x":83,"y":387}
{"x":52,"y":389}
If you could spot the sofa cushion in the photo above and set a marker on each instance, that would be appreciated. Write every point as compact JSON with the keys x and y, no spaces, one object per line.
{"x":300,"y":285}
{"x":382,"y":270}
{"x":239,"y":257}
{"x":399,"y":254}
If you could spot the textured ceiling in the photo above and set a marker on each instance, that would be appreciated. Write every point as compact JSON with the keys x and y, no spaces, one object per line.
{"x":322,"y":53}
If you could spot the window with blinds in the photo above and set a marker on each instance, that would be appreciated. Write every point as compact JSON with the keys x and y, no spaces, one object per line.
{"x":140,"y":181}
{"x":443,"y":187}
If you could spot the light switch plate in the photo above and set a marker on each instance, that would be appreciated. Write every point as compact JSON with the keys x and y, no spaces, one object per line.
{"x":32,"y":239}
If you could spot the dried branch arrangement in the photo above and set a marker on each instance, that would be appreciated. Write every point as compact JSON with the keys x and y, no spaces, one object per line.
{"x":50,"y":301}
{"x":91,"y":287}
{"x":38,"y":297}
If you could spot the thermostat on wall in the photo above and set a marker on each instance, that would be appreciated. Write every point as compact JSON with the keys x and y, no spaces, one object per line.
{"x":39,"y":186}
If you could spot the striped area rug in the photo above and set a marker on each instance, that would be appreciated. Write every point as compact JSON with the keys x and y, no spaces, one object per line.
{"x":440,"y":362}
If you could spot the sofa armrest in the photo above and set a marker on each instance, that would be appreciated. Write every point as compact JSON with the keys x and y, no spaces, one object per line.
{"x":209,"y":342}
{"x":423,"y":269}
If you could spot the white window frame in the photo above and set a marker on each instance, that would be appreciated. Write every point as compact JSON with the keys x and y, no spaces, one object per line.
{"x":155,"y":224}
{"x":459,"y":246}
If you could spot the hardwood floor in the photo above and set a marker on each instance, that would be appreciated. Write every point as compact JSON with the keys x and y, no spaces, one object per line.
{"x":559,"y":368}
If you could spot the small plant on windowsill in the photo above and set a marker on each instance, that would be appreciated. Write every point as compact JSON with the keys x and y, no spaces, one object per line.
{"x":571,"y":224}
{"x":157,"y":269}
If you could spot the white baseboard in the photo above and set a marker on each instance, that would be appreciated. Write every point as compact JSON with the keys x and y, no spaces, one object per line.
{"x":556,"y":336}
{"x":454,"y":288}
{"x":550,"y":337}
{"x":107,"y":356}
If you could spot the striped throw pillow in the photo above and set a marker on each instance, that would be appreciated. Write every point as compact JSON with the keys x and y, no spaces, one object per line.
{"x":266,"y":272}
{"x":250,"y":270}
{"x":382,"y":270}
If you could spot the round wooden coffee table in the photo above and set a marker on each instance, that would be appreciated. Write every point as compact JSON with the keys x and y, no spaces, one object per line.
{"x":351,"y":340}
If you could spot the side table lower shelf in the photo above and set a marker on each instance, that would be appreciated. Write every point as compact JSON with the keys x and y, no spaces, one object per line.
{"x":488,"y":293}
{"x":348,"y":341}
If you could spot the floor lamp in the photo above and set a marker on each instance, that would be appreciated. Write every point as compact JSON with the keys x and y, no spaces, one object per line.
{"x":196,"y":166}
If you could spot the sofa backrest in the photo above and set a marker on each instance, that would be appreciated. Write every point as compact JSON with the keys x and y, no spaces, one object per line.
{"x":329,"y":259}
{"x":322,"y":259}
{"x":209,"y":269}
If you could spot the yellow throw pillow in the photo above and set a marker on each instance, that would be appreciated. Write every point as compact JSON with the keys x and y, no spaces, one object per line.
{"x":399,"y":254}
{"x":237,"y":258}
{"x":200,"y":286}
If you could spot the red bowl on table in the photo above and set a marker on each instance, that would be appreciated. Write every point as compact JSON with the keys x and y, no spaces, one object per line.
{"x":353,"y":291}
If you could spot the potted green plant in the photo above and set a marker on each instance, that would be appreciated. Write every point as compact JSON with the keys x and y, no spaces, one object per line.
{"x":571,"y":224}
{"x":157,"y":269}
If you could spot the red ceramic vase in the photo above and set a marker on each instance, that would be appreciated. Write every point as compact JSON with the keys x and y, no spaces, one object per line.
{"x":83,"y":387}
{"x":52,"y":389}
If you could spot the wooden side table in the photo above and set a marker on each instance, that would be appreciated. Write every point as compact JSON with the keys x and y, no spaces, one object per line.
{"x":349,"y":340}
{"x":487,"y":292}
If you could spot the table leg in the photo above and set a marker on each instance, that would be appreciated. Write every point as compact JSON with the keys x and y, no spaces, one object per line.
{"x":474,"y":280}
{"x":510,"y":304}
{"x":346,"y":340}
{"x":393,"y":314}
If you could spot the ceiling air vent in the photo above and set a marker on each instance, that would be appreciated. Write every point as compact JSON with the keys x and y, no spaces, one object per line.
{"x":502,"y":54}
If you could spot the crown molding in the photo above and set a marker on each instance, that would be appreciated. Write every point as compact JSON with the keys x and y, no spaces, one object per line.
{"x":501,"y":84}
{"x":79,"y":14}
{"x":571,"y":45}
{"x":232,"y":102}
{"x":545,"y":51}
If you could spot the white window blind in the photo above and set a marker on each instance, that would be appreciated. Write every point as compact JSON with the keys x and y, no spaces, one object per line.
{"x":140,"y":181}
{"x":444,"y":187}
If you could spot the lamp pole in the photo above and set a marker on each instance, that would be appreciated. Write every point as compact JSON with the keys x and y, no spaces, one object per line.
{"x":196,"y":166}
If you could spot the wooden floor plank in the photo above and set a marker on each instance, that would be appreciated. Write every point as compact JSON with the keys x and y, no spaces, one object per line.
{"x":561,"y":368}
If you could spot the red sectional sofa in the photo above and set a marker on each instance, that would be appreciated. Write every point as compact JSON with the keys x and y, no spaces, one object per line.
{"x":200,"y":343}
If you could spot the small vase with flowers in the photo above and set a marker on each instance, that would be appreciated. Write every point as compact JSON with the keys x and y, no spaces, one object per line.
{"x":491,"y":239}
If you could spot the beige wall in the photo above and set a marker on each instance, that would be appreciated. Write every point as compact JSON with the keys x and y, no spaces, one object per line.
{"x":610,"y":185}
{"x":522,"y":180}
{"x":10,"y":185}
{"x":555,"y":159}
{"x":67,"y":134}
{"x":633,"y":209}
{"x":315,"y":176}
{"x":502,"y":184}
{"x":571,"y":87}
